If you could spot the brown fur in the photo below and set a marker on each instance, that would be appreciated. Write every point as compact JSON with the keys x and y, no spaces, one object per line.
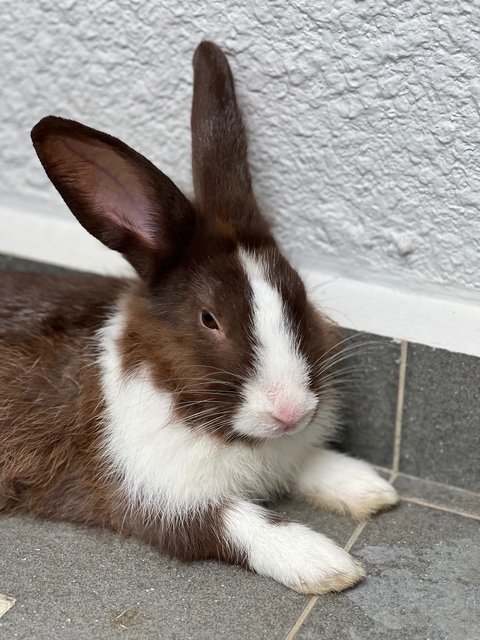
{"x":188,"y":537}
{"x":51,"y":396}
{"x":221,"y":177}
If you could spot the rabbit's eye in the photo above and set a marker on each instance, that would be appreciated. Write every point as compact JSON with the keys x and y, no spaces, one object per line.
{"x":208,"y":320}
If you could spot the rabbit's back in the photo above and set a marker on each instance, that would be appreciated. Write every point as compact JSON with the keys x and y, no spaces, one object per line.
{"x":35,"y":304}
{"x":50,"y":393}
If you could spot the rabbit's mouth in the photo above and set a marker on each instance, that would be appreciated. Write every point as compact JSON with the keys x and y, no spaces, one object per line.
{"x":266,"y":416}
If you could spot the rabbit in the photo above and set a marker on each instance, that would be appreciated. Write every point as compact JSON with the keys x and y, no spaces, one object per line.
{"x":173,"y":405}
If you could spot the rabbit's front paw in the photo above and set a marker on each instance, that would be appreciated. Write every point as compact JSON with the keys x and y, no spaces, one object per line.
{"x":334,"y":481}
{"x":291,"y":553}
{"x":318,"y":565}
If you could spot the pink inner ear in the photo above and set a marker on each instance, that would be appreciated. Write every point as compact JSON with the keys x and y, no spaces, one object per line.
{"x":112,"y":186}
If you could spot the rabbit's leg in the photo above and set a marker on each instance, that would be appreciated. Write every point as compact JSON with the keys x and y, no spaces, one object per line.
{"x":290,"y":553}
{"x":246,"y":534}
{"x":335,"y":481}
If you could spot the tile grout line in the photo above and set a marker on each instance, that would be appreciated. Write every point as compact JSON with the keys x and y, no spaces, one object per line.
{"x":301,"y":618}
{"x":443,"y":485}
{"x":431,"y":505}
{"x":397,"y":441}
{"x":355,"y":535}
{"x":313,"y":601}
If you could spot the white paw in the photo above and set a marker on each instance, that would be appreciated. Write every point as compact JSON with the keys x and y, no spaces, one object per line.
{"x":371,"y":495}
{"x":291,"y":553}
{"x":306,"y":561}
{"x":346,"y":485}
{"x":363,"y":498}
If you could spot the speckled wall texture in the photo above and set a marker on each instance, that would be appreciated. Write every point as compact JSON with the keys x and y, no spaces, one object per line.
{"x":363,"y":115}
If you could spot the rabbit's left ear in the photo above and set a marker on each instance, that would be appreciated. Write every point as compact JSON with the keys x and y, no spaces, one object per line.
{"x":221,"y":175}
{"x":115,"y":193}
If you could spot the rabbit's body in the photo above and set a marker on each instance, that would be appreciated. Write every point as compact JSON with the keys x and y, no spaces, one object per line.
{"x":170,"y":406}
{"x":88,"y":437}
{"x":69,"y":391}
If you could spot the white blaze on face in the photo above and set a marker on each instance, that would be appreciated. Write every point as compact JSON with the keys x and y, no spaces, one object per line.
{"x":277,"y":399}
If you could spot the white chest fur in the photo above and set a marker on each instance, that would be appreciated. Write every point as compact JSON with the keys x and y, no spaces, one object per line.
{"x":167,"y":466}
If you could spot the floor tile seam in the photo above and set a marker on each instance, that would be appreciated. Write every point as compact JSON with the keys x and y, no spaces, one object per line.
{"x":301,"y":618}
{"x":355,"y":535}
{"x":397,"y":438}
{"x":437,"y":507}
{"x":442,"y":485}
{"x":314,"y":599}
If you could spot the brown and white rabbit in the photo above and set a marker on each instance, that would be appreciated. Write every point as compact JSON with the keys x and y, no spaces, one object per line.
{"x":169,"y":407}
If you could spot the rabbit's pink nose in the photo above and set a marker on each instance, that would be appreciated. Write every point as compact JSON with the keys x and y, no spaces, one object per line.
{"x":288,"y":414}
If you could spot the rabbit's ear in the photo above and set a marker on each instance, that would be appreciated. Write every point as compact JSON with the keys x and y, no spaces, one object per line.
{"x":221,"y":176}
{"x":115,"y":193}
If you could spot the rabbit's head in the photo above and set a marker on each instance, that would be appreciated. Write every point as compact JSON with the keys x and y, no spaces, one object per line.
{"x":220,"y":318}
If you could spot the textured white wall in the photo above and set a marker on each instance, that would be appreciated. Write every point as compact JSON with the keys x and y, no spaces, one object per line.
{"x":363,"y":115}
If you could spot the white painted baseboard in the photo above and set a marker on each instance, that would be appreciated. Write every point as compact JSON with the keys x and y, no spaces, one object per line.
{"x":448,"y":322}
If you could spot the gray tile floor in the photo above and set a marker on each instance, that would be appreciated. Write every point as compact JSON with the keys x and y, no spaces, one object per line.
{"x":413,"y":410}
{"x":423,"y":581}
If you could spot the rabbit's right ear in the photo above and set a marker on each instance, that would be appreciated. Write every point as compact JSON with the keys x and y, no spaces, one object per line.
{"x":119,"y":196}
{"x":221,"y":174}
